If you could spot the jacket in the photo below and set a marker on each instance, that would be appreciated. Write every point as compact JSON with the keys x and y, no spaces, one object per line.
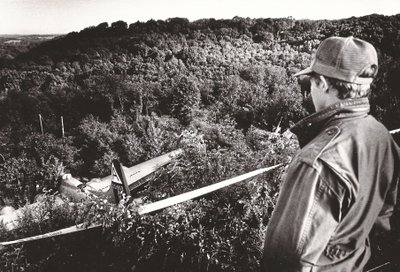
{"x":342,"y":182}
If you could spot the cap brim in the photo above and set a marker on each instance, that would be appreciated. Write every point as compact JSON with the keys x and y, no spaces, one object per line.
{"x":306,"y":71}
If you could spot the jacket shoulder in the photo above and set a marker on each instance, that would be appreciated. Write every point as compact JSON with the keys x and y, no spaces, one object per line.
{"x":311,"y":152}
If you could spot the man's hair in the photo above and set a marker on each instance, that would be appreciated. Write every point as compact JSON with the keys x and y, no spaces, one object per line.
{"x":352,"y":90}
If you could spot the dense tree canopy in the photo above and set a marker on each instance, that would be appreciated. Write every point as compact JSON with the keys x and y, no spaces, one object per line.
{"x":221,"y":89}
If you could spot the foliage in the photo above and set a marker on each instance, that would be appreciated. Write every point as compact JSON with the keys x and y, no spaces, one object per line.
{"x":186,"y":98}
{"x":37,"y":168}
{"x":216,"y":88}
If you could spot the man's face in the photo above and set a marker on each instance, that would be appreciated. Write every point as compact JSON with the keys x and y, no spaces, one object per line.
{"x":319,"y":95}
{"x":305,"y":87}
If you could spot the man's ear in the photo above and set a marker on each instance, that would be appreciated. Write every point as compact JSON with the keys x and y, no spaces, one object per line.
{"x":323,"y":83}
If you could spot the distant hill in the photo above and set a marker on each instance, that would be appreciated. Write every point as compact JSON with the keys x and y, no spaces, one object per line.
{"x":13,"y":45}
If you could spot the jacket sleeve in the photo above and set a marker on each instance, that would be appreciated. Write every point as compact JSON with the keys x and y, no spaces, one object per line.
{"x":383,"y":220}
{"x":307,"y":213}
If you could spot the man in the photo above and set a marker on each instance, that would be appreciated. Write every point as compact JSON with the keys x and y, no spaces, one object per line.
{"x":344,"y":179}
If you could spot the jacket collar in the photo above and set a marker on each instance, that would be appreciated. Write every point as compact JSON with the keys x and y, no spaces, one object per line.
{"x":309,"y":127}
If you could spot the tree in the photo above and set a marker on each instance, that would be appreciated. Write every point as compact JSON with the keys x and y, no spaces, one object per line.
{"x":185,"y":99}
{"x":119,"y":28}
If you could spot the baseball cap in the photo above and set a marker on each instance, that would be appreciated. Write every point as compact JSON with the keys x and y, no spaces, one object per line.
{"x":344,"y":59}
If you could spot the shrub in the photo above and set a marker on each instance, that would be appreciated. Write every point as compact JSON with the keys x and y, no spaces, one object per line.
{"x":186,"y":98}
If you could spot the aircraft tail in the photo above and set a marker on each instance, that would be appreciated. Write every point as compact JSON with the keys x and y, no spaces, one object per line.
{"x":119,"y":181}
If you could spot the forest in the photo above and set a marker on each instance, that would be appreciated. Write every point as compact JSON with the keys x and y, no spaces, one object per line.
{"x":223,"y":90}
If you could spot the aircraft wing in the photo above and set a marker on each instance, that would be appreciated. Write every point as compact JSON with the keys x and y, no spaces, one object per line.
{"x":73,"y":229}
{"x":394,"y":131}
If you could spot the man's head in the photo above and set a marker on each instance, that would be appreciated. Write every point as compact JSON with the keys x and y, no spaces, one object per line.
{"x":346,"y":66}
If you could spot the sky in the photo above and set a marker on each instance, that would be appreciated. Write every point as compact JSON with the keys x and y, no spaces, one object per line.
{"x":64,"y":16}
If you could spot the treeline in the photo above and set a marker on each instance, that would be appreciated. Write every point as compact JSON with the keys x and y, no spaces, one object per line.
{"x":221,"y":89}
{"x":213,"y":54}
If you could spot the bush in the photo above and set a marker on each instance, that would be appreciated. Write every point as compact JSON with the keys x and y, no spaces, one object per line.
{"x":185,"y":99}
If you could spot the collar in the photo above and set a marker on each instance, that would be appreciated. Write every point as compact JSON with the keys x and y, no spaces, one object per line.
{"x":309,"y":127}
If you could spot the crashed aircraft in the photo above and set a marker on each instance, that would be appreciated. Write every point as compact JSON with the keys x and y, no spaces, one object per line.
{"x":122,"y":180}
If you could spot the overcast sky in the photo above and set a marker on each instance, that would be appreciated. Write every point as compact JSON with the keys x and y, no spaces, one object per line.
{"x":63,"y":16}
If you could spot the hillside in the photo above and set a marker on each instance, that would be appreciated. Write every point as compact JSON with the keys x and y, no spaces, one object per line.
{"x":13,"y":45}
{"x":220,"y":89}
